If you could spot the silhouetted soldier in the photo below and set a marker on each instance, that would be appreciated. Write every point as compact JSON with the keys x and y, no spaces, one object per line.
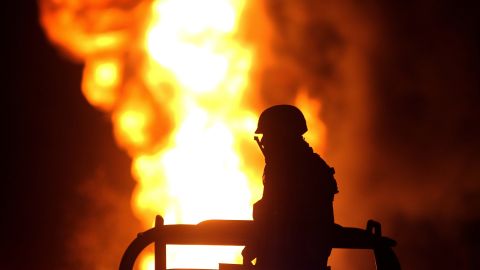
{"x":294,"y":218}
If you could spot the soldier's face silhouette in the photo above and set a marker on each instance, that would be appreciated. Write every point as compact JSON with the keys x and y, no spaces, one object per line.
{"x":275,"y":142}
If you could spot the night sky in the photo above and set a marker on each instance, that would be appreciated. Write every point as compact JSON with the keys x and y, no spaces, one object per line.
{"x":424,"y":137}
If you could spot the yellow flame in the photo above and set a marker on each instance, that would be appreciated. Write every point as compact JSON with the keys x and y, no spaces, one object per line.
{"x":106,"y":74}
{"x":147,"y":262}
{"x":101,"y":79}
{"x":199,"y":175}
{"x":311,"y":108}
{"x":132,"y":123}
{"x":174,"y":91}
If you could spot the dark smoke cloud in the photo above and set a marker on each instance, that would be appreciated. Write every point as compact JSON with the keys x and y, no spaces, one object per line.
{"x":102,"y":225}
{"x":426,"y":122}
{"x":59,"y":152}
{"x":404,"y":137}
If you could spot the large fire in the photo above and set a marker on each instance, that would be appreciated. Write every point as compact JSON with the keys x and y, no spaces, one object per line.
{"x":172,"y":74}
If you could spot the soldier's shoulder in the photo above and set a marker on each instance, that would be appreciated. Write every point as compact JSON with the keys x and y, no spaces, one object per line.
{"x":327,"y":173}
{"x":319,"y":160}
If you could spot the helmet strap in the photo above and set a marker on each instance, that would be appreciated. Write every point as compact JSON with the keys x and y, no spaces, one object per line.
{"x":260,"y":145}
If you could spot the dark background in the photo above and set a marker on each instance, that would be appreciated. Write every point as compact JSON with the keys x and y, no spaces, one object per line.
{"x":56,"y":143}
{"x":428,"y":120}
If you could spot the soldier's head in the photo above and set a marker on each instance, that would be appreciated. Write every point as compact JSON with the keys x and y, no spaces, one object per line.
{"x":279,"y":124}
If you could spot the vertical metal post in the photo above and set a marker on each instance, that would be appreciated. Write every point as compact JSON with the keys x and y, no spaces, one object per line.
{"x":160,"y":247}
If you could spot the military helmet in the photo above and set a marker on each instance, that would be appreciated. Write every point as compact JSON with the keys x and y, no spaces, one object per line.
{"x":282,"y":120}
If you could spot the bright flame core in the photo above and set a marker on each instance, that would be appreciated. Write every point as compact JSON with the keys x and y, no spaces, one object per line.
{"x":198,"y":176}
{"x":174,"y":92}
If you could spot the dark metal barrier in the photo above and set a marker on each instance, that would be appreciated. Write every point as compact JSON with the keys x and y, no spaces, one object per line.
{"x":238,"y":232}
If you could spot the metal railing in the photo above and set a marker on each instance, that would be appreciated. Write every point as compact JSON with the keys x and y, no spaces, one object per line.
{"x":238,"y":233}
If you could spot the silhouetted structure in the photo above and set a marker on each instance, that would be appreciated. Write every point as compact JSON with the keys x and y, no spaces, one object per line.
{"x":294,"y":218}
{"x":240,"y":232}
{"x":293,"y":226}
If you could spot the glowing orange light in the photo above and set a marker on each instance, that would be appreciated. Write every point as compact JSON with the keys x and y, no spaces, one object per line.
{"x":101,"y":80}
{"x":180,"y":62}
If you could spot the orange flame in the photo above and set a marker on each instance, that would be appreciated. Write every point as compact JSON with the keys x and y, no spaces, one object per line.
{"x":172,"y":74}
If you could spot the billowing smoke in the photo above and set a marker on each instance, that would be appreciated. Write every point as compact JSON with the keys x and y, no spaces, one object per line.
{"x":102,"y":228}
{"x":324,"y":47}
{"x":426,"y":92}
{"x":399,"y":83}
